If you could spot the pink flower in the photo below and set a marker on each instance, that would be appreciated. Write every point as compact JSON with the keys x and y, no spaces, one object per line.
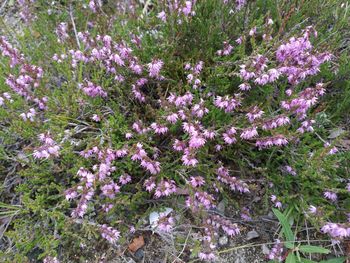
{"x":276,"y":251}
{"x":196,"y":142}
{"x":172,"y":118}
{"x":227,"y":103}
{"x":290,"y":170}
{"x":312,"y":209}
{"x":165,"y":188}
{"x":159,"y":129}
{"x":93,"y":91}
{"x":70,"y":194}
{"x":244,"y":86}
{"x":92,"y":6}
{"x":336,"y":230}
{"x":330,"y":195}
{"x":229,"y":136}
{"x":179,"y":145}
{"x":207,"y":256}
{"x":197,"y":181}
{"x":96,"y":118}
{"x":252,"y":31}
{"x":209,"y":134}
{"x":154,"y":68}
{"x":150,"y":184}
{"x":189,"y":159}
{"x":239,"y":40}
{"x":152,"y":166}
{"x":128,"y":135}
{"x":109,"y":233}
{"x":162,"y":16}
{"x":61,"y":32}
{"x":124,"y":179}
{"x":254,"y":114}
{"x":110,"y":189}
{"x":165,"y":222}
{"x":249,"y":133}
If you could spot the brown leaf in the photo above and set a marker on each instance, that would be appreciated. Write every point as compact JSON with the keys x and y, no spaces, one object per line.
{"x":137,"y":243}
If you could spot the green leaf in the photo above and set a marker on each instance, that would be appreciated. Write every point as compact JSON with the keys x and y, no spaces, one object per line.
{"x":289,"y":245}
{"x":305,"y":260}
{"x":285,"y":225}
{"x":291,"y":258}
{"x":313,"y":249}
{"x":334,"y":260}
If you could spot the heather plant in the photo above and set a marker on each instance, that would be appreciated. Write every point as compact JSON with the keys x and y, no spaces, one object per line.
{"x":113,"y":112}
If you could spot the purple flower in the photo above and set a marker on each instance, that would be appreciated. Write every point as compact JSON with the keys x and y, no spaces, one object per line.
{"x":165,"y":188}
{"x":124,"y":179}
{"x":162,"y":16}
{"x":154,"y":68}
{"x":312,"y":209}
{"x":336,"y":230}
{"x":206,"y":256}
{"x":197,"y":181}
{"x":330,"y":195}
{"x":249,"y":133}
{"x":110,"y":234}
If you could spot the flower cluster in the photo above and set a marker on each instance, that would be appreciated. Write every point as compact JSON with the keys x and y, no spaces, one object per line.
{"x":339,"y":231}
{"x":48,"y":149}
{"x":165,"y":222}
{"x":229,"y":228}
{"x":109,"y":233}
{"x":180,"y":117}
{"x":232,"y":182}
{"x":7,"y":50}
{"x":5,"y":97}
{"x":193,"y":74}
{"x":61,"y":32}
{"x":227,"y":49}
{"x":29,"y":115}
{"x":276,"y":251}
{"x":93,"y":90}
{"x":26,"y":12}
{"x":29,"y":75}
{"x":275,"y":201}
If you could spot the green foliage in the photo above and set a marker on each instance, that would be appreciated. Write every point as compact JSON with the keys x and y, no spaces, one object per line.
{"x":295,"y":248}
{"x":35,"y":203}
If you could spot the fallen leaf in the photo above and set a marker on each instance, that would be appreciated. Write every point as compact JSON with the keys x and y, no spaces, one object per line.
{"x":137,"y":243}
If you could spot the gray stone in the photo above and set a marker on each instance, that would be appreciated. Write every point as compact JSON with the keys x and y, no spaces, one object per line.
{"x":139,"y":254}
{"x":335,"y":133}
{"x":221,"y":206}
{"x":252,"y":234}
{"x":265,"y":249}
{"x":223,"y":241}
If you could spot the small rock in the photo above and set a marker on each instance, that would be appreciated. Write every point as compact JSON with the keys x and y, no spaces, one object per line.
{"x":139,"y":254}
{"x":265,"y":249}
{"x":271,"y":215}
{"x":252,"y":234}
{"x":336,"y":133}
{"x":223,"y":241}
{"x":221,"y":206}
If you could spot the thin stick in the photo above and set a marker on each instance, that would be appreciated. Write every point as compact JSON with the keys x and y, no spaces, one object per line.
{"x":74,"y":28}
{"x":3,"y":5}
{"x":184,"y":246}
{"x":271,"y":243}
{"x":307,"y":236}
